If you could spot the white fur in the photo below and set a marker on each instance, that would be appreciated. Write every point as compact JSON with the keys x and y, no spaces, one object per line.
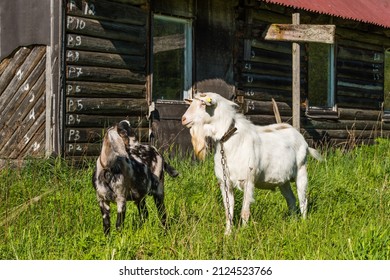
{"x":257,"y":156}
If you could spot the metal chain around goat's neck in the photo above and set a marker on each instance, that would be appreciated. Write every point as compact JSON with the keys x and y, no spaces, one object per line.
{"x":225,"y":178}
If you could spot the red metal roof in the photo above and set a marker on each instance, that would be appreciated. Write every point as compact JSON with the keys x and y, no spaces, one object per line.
{"x":370,"y":11}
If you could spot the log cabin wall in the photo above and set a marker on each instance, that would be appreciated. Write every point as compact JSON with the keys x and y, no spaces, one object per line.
{"x":263,"y":71}
{"x":106,"y":71}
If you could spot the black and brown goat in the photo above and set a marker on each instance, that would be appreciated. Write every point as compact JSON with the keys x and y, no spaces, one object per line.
{"x":128,"y":171}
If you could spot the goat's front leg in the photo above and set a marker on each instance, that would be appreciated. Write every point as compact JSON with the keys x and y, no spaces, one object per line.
{"x":228,"y":201}
{"x":246,"y":202}
{"x":121,"y":212}
{"x":105,"y":210}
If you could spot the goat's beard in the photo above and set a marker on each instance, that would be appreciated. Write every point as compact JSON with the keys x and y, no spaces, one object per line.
{"x":198,"y":140}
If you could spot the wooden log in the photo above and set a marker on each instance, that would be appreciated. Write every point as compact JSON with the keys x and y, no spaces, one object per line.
{"x":107,"y":10}
{"x":358,"y":84}
{"x":109,"y":106}
{"x":271,"y":82}
{"x":94,"y":89}
{"x":279,"y":47}
{"x":92,"y":135}
{"x":268,"y":16}
{"x":252,"y":107}
{"x":364,"y":103}
{"x":106,"y":29}
{"x":135,"y":63}
{"x":82,"y":120}
{"x":263,"y":94}
{"x":358,"y":94}
{"x":83,"y":135}
{"x":3,"y":65}
{"x":267,"y":69}
{"x":359,"y":55}
{"x":82,"y":42}
{"x":132,"y":2}
{"x":103,"y":74}
{"x":359,"y":114}
{"x":359,"y":65}
{"x":258,"y":55}
{"x":369,"y":76}
{"x":360,"y":45}
{"x":82,"y":149}
{"x":267,"y":119}
{"x":12,"y":67}
{"x":361,"y":36}
{"x":341,"y":134}
{"x":371,"y":125}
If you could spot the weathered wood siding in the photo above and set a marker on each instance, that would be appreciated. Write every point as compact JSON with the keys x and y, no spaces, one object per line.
{"x":263,"y":71}
{"x":106,"y":71}
{"x":22,"y":103}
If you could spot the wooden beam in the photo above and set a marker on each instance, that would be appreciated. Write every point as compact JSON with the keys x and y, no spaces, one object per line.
{"x":301,"y":33}
{"x":296,"y":83}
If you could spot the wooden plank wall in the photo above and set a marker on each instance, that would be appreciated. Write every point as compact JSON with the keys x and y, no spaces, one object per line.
{"x":263,"y":71}
{"x":22,"y":103}
{"x":106,"y":71}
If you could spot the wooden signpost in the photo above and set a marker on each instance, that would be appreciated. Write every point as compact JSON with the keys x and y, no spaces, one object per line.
{"x":297,"y":32}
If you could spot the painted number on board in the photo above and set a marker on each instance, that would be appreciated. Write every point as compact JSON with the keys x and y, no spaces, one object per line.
{"x":74,"y":135}
{"x":75,"y":105}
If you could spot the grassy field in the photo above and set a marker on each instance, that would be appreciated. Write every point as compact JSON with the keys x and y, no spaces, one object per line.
{"x":48,"y":210}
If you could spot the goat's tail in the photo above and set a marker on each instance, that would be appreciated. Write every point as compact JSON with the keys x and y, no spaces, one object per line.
{"x":170,"y":170}
{"x":315,"y":154}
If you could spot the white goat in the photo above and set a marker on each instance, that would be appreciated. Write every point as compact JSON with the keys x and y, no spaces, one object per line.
{"x":256,"y":156}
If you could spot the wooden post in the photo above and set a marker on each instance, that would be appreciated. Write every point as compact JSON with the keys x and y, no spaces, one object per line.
{"x":297,"y":32}
{"x":296,"y":79}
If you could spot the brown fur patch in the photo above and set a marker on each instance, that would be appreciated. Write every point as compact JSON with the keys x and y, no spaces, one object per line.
{"x":275,"y":128}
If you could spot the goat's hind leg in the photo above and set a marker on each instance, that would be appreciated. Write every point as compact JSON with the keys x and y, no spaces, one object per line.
{"x":288,"y":194}
{"x":159,"y":201}
{"x":302,"y":183}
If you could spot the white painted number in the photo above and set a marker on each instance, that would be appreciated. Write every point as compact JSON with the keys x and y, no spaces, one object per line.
{"x":74,"y":119}
{"x":75,"y":71}
{"x":75,"y":23}
{"x":73,"y":56}
{"x":74,"y":135}
{"x":75,"y":107}
{"x":73,"y":89}
{"x":89,"y":9}
{"x":76,"y":147}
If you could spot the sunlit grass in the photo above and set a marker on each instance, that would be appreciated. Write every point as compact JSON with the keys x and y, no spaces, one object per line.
{"x":48,"y":210}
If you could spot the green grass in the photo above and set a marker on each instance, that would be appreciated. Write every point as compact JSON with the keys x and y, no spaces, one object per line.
{"x":48,"y":210}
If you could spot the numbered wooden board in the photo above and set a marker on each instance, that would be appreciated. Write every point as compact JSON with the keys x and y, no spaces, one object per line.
{"x":106,"y":66}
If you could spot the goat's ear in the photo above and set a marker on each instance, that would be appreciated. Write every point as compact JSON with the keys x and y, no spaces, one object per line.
{"x":188,"y":101}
